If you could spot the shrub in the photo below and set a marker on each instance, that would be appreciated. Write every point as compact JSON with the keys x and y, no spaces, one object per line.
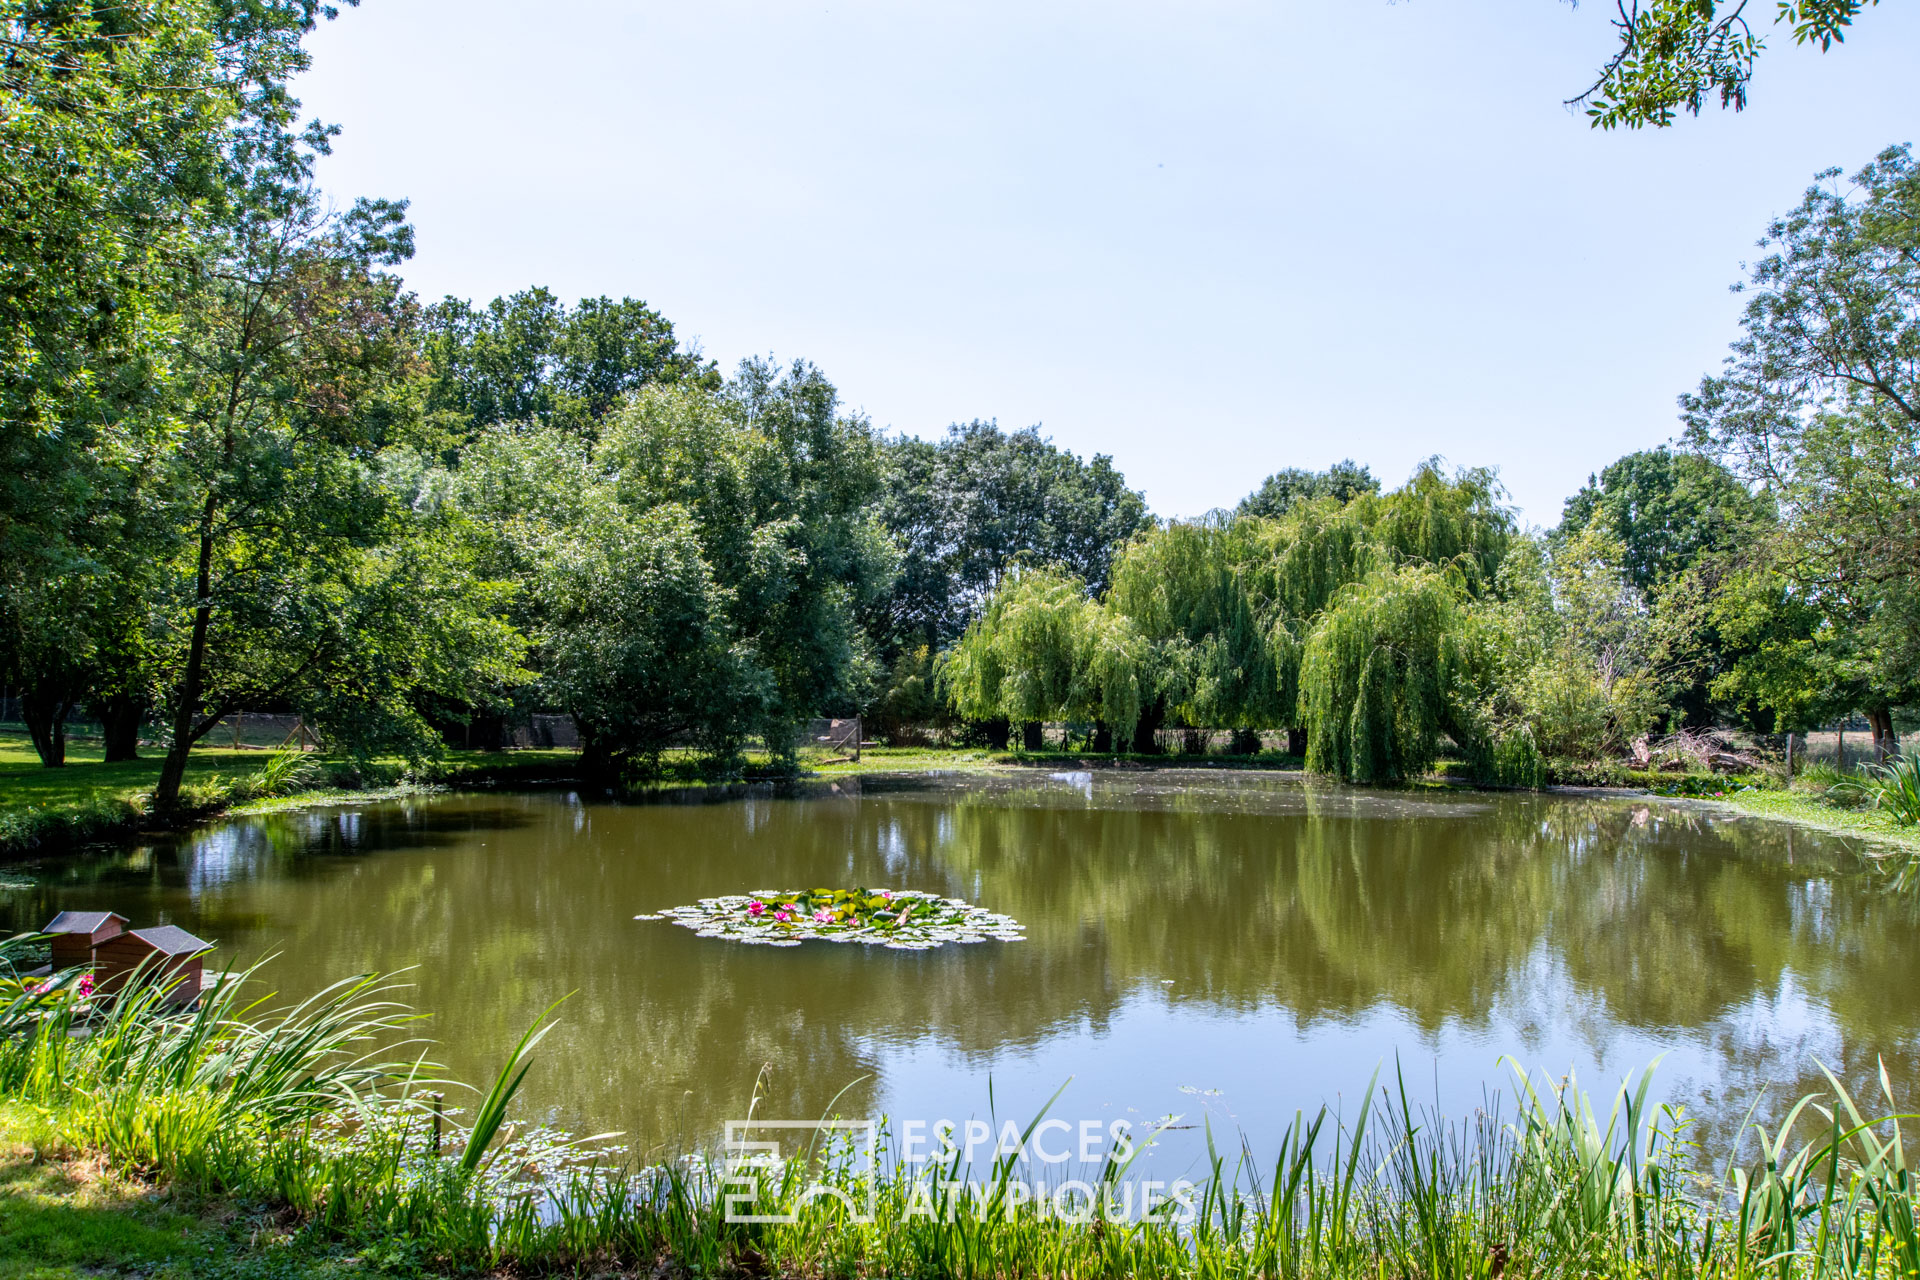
{"x":1841,"y":788}
{"x":1587,"y":773}
{"x":25,"y":830}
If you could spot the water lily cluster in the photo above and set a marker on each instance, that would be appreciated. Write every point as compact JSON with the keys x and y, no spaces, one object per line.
{"x":903,"y":919}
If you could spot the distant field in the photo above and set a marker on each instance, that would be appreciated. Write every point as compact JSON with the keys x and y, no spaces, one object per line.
{"x":1825,"y":745}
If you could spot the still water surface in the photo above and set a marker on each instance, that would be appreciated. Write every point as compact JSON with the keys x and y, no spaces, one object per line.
{"x":1221,"y":946}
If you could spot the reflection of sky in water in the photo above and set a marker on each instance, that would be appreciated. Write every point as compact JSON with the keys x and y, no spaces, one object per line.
{"x":221,"y":856}
{"x":893,"y":847}
{"x":225,"y":854}
{"x":1248,"y":1075}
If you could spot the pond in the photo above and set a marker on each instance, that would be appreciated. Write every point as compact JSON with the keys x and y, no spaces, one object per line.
{"x":1225,"y":947}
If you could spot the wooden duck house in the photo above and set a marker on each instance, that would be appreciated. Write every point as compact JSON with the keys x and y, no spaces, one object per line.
{"x":76,"y":935}
{"x":163,"y":952}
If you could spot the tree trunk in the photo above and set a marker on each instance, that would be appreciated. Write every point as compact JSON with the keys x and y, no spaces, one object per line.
{"x":596,"y":761}
{"x":997,"y":731}
{"x":487,"y":731}
{"x":186,"y":696}
{"x":1297,"y":743}
{"x":121,"y":715}
{"x":1789,"y":754}
{"x":1033,"y":735}
{"x":1884,"y":742}
{"x":1146,"y":740}
{"x":46,"y":717}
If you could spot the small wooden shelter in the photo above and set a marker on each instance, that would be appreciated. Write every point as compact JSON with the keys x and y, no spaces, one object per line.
{"x":165,"y":950}
{"x":76,"y":935}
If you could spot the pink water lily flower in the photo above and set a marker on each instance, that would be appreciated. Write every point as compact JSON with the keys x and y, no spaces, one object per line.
{"x":783,"y":916}
{"x":823,"y":915}
{"x":756,"y":908}
{"x":886,"y":895}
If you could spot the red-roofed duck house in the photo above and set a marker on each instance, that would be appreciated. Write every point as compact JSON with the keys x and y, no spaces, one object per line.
{"x":163,"y":949}
{"x":76,"y":935}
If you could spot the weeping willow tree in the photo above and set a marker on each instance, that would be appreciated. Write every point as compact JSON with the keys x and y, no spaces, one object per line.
{"x":1292,"y":567}
{"x":1117,"y":683}
{"x":1458,"y":525}
{"x":1184,"y":590}
{"x":1043,"y":650}
{"x":1380,"y":678}
{"x":1345,"y":619}
{"x":1296,"y":564}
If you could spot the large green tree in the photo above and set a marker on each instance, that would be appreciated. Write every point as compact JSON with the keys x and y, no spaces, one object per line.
{"x":1044,"y":650}
{"x":694,"y":574}
{"x":1343,"y":482}
{"x":117,"y":129}
{"x":1819,"y":402}
{"x":969,"y":507}
{"x":1211,"y":623}
{"x":124,"y":134}
{"x":1679,"y":524}
{"x":1222,"y":663}
{"x":1380,"y":677}
{"x":302,"y":572}
{"x":1665,"y":510}
{"x":527,"y":357}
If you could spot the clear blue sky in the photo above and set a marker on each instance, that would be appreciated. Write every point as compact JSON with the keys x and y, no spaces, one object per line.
{"x":1209,"y":238}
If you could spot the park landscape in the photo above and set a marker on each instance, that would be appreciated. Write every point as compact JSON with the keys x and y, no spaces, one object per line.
{"x":640,"y":745}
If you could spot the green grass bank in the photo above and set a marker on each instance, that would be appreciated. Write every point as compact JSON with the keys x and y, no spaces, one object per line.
{"x":1875,"y":827}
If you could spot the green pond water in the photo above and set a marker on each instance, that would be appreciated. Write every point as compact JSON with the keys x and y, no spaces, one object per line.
{"x":1225,"y":947}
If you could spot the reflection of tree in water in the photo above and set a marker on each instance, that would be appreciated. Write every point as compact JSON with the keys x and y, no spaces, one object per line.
{"x":1666,"y":921}
{"x":1320,"y":914}
{"x":1254,"y":896}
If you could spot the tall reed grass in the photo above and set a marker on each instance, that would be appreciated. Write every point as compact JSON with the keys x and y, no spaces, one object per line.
{"x":311,"y":1106}
{"x":1895,"y":788}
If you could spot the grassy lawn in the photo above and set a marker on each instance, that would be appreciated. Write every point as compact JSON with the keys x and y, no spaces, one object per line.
{"x":25,"y":782}
{"x":68,"y":1218}
{"x":899,"y":760}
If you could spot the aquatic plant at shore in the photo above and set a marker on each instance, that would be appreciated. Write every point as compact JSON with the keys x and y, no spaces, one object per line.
{"x":902,"y":919}
{"x":1895,"y":789}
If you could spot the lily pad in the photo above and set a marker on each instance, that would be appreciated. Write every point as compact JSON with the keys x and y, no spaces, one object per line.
{"x":900,"y":919}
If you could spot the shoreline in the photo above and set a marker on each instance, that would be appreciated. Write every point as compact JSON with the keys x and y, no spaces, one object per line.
{"x":1869,"y":826}
{"x":29,"y":833}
